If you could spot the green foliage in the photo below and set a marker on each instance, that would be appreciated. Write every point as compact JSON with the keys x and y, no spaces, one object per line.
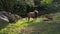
{"x":44,"y":27}
{"x":47,"y":1}
{"x":21,"y":7}
{"x":29,"y":2}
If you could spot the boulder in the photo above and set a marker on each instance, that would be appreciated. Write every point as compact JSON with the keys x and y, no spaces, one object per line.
{"x":9,"y":17}
{"x":3,"y":18}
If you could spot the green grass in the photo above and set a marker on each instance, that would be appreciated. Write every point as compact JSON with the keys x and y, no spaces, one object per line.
{"x":43,"y":27}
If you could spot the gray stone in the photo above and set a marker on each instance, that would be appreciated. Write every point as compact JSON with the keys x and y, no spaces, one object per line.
{"x":9,"y":17}
{"x":3,"y":18}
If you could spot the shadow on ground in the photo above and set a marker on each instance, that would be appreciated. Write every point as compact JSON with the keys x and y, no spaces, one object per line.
{"x":3,"y":25}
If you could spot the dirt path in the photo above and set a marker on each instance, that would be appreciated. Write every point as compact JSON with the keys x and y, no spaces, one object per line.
{"x":30,"y":30}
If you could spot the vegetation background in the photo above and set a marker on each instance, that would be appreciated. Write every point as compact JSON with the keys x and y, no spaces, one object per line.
{"x":22,"y":7}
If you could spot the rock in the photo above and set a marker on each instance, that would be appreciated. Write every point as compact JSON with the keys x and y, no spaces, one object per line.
{"x":3,"y":18}
{"x":9,"y":17}
{"x":17,"y":17}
